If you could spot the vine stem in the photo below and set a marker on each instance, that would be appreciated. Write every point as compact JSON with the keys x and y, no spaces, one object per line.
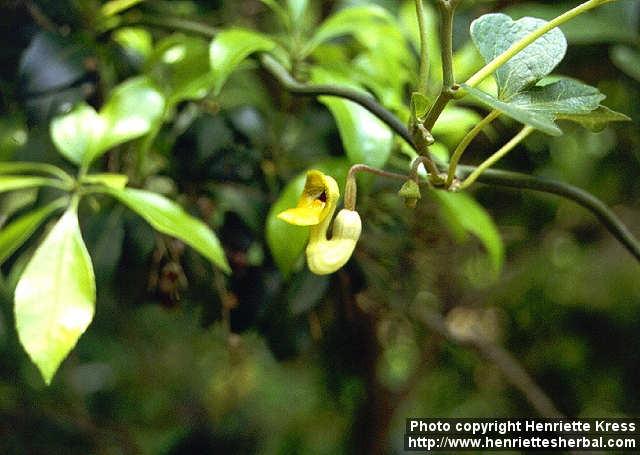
{"x":518,"y":46}
{"x":490,"y":177}
{"x":423,"y":83}
{"x":506,"y":148}
{"x":464,"y":143}
{"x":364,"y":100}
{"x":581,"y":197}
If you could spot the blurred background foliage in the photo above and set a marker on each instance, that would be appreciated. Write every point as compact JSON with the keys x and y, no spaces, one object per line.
{"x":181,"y":359}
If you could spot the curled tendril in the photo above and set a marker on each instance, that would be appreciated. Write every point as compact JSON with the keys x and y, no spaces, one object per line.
{"x":315,"y":208}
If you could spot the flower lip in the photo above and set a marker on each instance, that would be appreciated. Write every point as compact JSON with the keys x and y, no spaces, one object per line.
{"x":320,"y":194}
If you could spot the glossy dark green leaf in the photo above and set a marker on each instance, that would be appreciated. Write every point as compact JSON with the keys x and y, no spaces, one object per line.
{"x":495,"y":33}
{"x":230,"y":47}
{"x":286,"y":242}
{"x":366,"y":138}
{"x":13,"y":235}
{"x":169,"y":218}
{"x":55,"y":296}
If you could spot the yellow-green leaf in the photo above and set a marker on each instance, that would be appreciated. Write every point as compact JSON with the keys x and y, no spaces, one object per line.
{"x":230,"y":47}
{"x":169,"y":218}
{"x":55,"y":296}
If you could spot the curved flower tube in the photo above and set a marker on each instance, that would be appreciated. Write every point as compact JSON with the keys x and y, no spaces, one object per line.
{"x":315,"y":208}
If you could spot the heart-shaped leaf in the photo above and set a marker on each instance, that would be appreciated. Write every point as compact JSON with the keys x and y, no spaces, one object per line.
{"x":495,"y":33}
{"x":55,"y":296}
{"x":133,"y":108}
{"x":230,"y":47}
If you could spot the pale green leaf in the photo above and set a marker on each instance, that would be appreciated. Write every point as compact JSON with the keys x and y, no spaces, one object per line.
{"x":537,"y":120}
{"x":566,"y":96}
{"x":13,"y":235}
{"x":180,"y":66}
{"x":347,"y":21}
{"x":464,"y":214}
{"x":132,"y":109}
{"x":495,"y":33}
{"x":230,"y":47}
{"x":76,"y":133}
{"x":596,"y":120}
{"x":366,"y":138}
{"x":169,"y":218}
{"x":135,"y":39}
{"x":18,"y":167}
{"x":55,"y":296}
{"x":117,"y":181}
{"x":13,"y":182}
{"x":297,"y":8}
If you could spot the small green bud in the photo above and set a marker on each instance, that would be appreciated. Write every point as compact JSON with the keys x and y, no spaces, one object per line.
{"x":410,"y":192}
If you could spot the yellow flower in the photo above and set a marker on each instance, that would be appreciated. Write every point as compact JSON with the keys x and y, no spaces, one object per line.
{"x":315,"y":208}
